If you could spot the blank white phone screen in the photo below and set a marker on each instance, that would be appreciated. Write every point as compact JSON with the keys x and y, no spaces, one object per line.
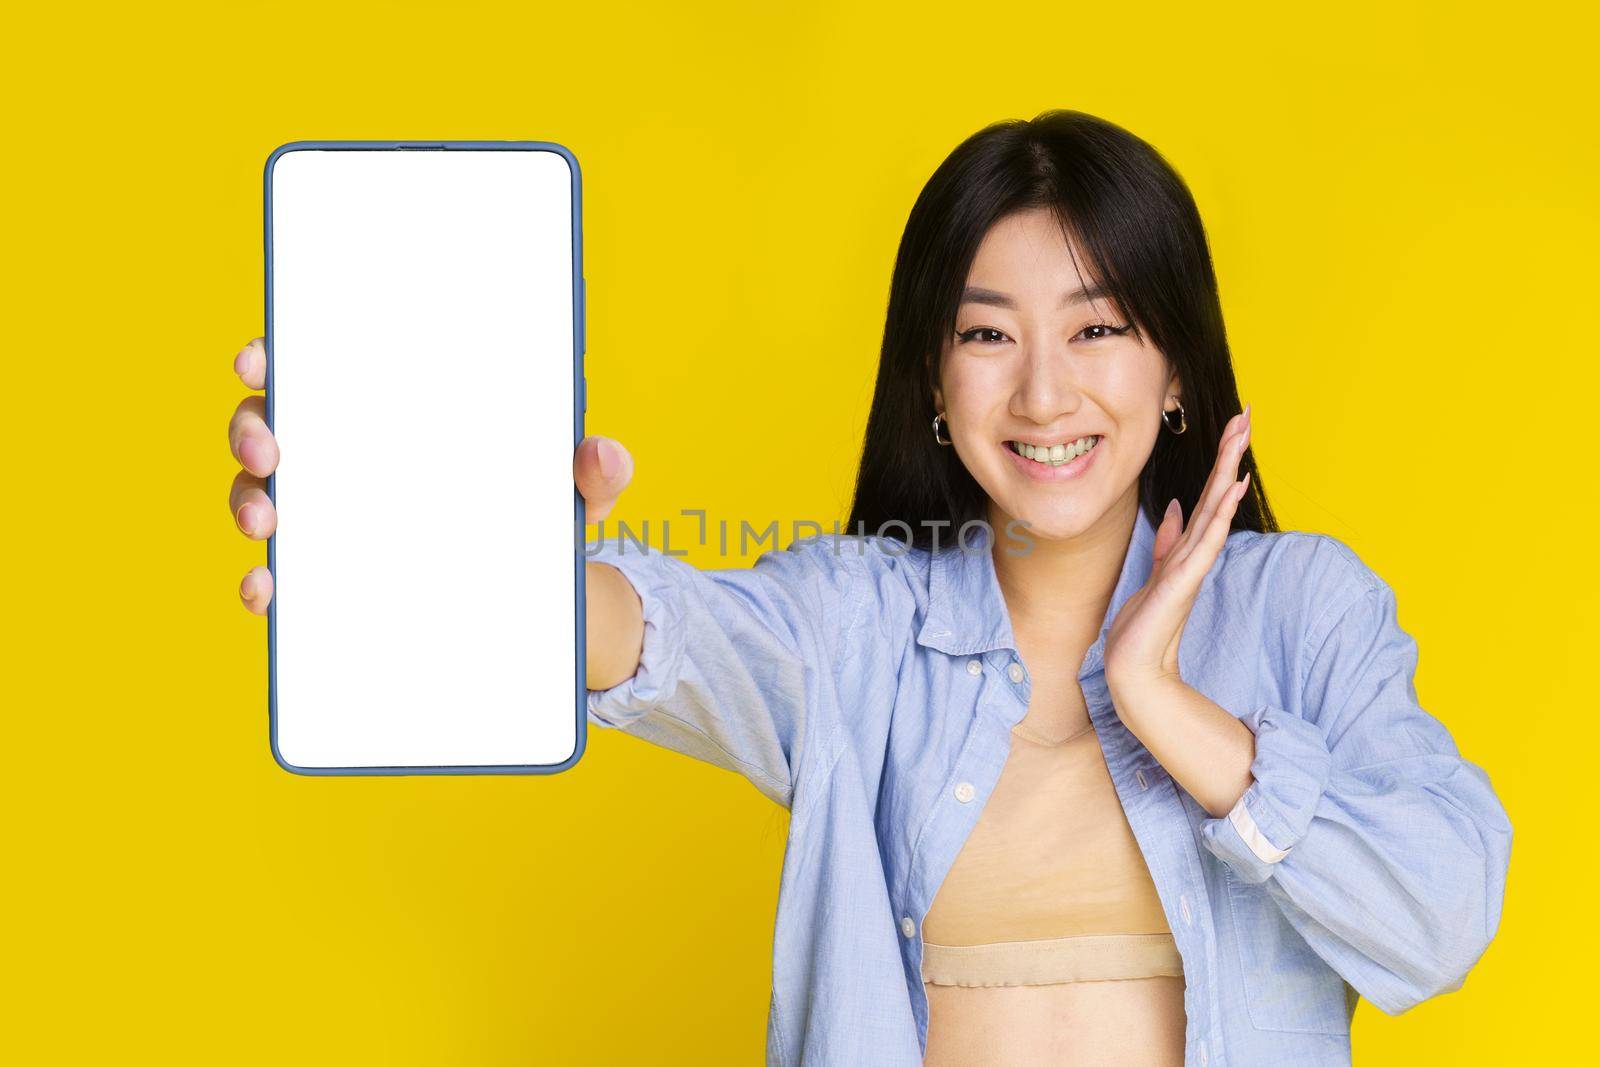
{"x":422,"y":357}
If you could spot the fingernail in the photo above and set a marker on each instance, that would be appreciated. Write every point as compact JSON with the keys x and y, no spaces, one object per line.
{"x":1247,"y":414}
{"x":245,"y":589}
{"x":609,"y":463}
{"x":241,"y":361}
{"x":247,"y":518}
{"x":1172,"y":508}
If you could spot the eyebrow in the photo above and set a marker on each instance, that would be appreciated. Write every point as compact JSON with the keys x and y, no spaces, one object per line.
{"x":975,"y":295}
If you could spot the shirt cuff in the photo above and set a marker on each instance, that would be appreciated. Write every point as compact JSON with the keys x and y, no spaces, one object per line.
{"x":1290,"y":772}
{"x":661,"y":654}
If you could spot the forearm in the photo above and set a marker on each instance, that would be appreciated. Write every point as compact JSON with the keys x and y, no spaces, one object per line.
{"x":1205,"y":748}
{"x":614,"y":628}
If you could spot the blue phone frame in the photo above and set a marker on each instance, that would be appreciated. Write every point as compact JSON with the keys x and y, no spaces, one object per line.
{"x":580,"y":403}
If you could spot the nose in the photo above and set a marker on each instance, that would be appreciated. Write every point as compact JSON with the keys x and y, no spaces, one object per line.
{"x":1047,"y":388}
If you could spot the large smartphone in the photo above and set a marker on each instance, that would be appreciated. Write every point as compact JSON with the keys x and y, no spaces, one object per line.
{"x":425,"y":336}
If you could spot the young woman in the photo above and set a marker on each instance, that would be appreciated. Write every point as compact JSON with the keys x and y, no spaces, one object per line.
{"x":1086,"y":761}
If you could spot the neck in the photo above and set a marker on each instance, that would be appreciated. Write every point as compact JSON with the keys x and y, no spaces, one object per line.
{"x":1065,"y":584}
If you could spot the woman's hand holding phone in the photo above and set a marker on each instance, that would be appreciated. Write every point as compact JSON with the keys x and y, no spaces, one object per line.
{"x":601,"y":468}
{"x":256,"y":450}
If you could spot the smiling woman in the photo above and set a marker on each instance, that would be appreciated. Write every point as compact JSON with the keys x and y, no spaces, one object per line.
{"x":1032,"y":821}
{"x":1073,"y":306}
{"x":1154,"y":788}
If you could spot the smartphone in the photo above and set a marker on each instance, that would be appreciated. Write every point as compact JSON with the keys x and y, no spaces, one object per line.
{"x":425,"y":314}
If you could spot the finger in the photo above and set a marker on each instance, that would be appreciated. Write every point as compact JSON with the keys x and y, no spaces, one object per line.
{"x":1215,"y":536}
{"x":252,"y":444}
{"x":1223,"y":468}
{"x":1168,"y":532}
{"x":252,"y":508}
{"x":251,"y":363}
{"x":255,"y":592}
{"x":602,"y":468}
{"x":1223,"y":472}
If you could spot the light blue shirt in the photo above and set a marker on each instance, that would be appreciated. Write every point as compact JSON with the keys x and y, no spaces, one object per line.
{"x":871,"y":689}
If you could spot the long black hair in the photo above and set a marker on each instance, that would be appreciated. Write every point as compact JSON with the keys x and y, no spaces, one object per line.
{"x":1136,"y":222}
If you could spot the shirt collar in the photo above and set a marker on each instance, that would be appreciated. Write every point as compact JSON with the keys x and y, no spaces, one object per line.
{"x":967,"y":609}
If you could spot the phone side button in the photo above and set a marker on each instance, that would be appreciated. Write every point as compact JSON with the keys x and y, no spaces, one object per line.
{"x":586,"y":392}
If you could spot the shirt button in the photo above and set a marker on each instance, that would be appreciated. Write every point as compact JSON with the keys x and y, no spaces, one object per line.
{"x":1139,"y":774}
{"x":1202,"y":1054}
{"x":964,"y":792}
{"x":1183,"y":906}
{"x":974,"y":667}
{"x":1016,"y":671}
{"x":908,"y":927}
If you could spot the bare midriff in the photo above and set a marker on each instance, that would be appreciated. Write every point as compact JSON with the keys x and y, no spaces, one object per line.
{"x":1126,"y":1023}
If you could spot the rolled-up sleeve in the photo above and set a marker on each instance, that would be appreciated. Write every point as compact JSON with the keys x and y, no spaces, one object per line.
{"x":1383,"y":848}
{"x":737,"y":664}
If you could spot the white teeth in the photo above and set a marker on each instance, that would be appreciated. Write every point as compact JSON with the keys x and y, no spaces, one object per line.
{"x":1055,"y":455}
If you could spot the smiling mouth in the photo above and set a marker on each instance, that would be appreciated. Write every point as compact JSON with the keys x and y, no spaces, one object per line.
{"x":1058,"y":455}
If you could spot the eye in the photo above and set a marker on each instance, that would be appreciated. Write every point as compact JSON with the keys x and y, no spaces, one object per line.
{"x":972,"y":334}
{"x":1110,"y":331}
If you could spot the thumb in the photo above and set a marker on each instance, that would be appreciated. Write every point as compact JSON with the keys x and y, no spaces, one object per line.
{"x":602,"y":469}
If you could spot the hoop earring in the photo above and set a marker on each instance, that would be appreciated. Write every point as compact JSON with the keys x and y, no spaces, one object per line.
{"x":937,"y":436}
{"x":1183,"y":419}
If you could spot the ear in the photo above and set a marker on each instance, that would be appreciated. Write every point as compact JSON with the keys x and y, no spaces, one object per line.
{"x":938,"y":398}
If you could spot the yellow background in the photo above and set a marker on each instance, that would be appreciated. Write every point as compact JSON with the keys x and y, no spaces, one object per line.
{"x":1402,"y":211}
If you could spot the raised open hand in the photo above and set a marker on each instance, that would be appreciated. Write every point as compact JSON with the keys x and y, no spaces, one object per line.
{"x":1142,"y":644}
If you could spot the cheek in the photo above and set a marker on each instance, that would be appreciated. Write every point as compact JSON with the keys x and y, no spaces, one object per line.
{"x":1137,"y":422}
{"x":1133,"y":390}
{"x":975,"y":389}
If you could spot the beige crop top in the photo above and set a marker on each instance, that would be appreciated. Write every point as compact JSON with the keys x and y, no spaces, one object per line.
{"x":1050,"y":886}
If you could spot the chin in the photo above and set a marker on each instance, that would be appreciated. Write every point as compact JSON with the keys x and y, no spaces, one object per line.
{"x":1051,"y":526}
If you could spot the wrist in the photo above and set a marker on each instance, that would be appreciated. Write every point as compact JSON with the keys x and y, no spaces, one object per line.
{"x":1132,"y":693}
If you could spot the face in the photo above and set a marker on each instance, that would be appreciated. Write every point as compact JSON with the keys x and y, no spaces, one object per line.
{"x":1036,"y":365}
